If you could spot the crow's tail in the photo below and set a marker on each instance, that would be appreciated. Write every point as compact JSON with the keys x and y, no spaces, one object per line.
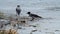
{"x":40,"y":17}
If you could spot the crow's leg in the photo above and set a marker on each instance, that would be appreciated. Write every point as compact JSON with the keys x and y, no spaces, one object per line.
{"x":32,"y":19}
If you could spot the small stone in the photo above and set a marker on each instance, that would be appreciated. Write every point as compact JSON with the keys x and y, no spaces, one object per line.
{"x":56,"y":30}
{"x":31,"y":33}
{"x":23,"y":21}
{"x":34,"y":30}
{"x":34,"y":26}
{"x":19,"y":28}
{"x":14,"y":25}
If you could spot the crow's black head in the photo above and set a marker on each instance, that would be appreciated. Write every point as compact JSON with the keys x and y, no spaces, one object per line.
{"x":28,"y":12}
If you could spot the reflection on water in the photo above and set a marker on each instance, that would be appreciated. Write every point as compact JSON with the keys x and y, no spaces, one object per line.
{"x":53,"y":8}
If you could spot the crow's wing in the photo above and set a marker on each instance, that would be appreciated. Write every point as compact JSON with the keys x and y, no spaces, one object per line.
{"x":34,"y":15}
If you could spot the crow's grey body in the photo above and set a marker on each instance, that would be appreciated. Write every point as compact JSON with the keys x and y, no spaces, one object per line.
{"x":33,"y":15}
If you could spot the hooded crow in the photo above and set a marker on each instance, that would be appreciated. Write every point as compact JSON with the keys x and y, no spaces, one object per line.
{"x":33,"y":15}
